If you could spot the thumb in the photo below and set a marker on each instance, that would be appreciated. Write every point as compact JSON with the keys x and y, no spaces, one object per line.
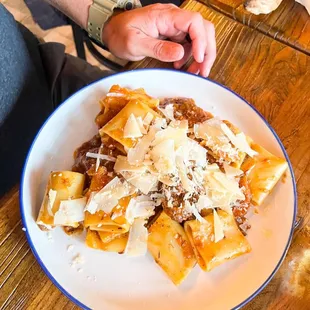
{"x":166,"y":51}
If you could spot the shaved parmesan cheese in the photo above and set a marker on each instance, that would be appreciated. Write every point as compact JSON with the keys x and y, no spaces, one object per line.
{"x":196,"y":152}
{"x":115,"y":95}
{"x":238,"y":140}
{"x":180,"y":124}
{"x":100,"y":156}
{"x":232,"y":172}
{"x":48,"y":227}
{"x":148,"y":119}
{"x":141,"y":125}
{"x":204,"y":202}
{"x":70,"y":212}
{"x":136,"y":155}
{"x":112,"y":184}
{"x":168,"y":112}
{"x":98,"y":159}
{"x":179,"y":136}
{"x":122,"y":164}
{"x":218,"y":227}
{"x":139,"y":209}
{"x":137,"y":239}
{"x":163,"y":156}
{"x":226,"y":207}
{"x":165,"y":179}
{"x":186,"y":182}
{"x":230,"y":185}
{"x":132,"y":128}
{"x":160,"y":123}
{"x":51,"y":199}
{"x":129,"y":215}
{"x":213,"y":167}
{"x":192,"y":209}
{"x":144,"y":182}
{"x":197,"y":175}
{"x":211,"y":131}
{"x":107,"y":198}
{"x":91,"y":205}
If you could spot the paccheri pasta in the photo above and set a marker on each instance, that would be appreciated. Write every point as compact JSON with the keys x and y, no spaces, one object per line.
{"x":162,"y":176}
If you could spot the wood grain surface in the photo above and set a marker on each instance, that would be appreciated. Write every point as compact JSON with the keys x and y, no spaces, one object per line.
{"x":289,"y":23}
{"x":272,"y":76}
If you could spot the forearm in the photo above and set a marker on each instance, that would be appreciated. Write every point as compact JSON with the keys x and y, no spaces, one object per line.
{"x":77,"y":10}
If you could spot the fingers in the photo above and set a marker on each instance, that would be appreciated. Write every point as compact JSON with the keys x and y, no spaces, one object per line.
{"x":174,"y":20}
{"x":210,"y":51}
{"x":177,"y":21}
{"x":209,"y":55}
{"x":187,"y":54}
{"x":165,"y":51}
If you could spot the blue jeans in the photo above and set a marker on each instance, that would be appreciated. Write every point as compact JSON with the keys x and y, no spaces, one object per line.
{"x":34,"y":79}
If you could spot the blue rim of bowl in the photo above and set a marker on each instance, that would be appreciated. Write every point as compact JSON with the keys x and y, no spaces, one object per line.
{"x":54,"y":281}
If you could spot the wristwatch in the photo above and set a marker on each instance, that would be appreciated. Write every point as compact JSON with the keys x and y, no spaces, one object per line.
{"x":100,"y":12}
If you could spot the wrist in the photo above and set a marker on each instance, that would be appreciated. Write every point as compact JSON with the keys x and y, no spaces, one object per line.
{"x":108,"y":27}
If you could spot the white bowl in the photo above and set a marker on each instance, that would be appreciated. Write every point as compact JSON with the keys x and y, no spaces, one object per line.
{"x":112,"y":281}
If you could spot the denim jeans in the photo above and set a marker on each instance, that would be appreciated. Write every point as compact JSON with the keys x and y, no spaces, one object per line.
{"x":34,"y":78}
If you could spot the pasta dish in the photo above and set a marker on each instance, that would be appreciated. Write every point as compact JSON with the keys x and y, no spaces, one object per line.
{"x":163,"y":176}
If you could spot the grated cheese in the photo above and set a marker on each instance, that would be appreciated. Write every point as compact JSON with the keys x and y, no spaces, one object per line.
{"x":196,"y":152}
{"x":186,"y":182}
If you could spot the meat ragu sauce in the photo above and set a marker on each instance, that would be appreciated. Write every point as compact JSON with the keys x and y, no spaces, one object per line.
{"x":242,"y":208}
{"x":86,"y":165}
{"x":184,"y":108}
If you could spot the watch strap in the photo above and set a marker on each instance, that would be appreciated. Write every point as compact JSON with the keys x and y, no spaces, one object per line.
{"x":99,"y":13}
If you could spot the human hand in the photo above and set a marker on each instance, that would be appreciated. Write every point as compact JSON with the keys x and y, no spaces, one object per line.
{"x":140,"y":33}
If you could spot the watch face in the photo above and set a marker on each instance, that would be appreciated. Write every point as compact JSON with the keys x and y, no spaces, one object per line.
{"x":129,"y":4}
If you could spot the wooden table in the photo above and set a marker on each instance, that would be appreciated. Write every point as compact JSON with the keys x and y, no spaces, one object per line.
{"x":289,"y":24}
{"x":271,"y":75}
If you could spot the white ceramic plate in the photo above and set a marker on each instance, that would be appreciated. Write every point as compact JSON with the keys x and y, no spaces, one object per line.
{"x":111,"y":281}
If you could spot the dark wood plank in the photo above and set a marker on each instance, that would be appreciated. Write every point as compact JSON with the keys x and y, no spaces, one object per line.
{"x":271,"y":76}
{"x":289,"y":23}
